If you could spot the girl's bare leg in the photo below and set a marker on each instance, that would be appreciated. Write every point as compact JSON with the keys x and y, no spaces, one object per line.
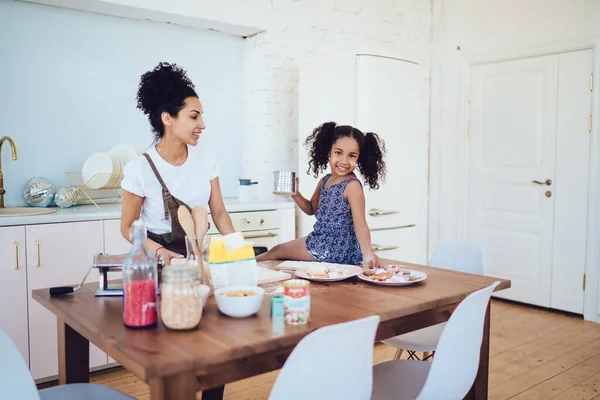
{"x":292,"y":250}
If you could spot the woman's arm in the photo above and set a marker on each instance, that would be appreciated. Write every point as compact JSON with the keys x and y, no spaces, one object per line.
{"x":356,"y":197}
{"x":219,"y":214}
{"x":132,"y":205}
{"x":309,"y":207}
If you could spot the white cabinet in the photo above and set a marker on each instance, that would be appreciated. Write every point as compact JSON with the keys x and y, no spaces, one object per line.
{"x":114,"y":242}
{"x":397,"y":244}
{"x":57,"y":255}
{"x":262,"y":228}
{"x":386,"y":96}
{"x":13,"y":293}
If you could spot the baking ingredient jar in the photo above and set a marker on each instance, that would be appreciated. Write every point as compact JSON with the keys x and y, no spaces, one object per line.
{"x":180,"y":303}
{"x":296,"y":301}
{"x":139,"y":283}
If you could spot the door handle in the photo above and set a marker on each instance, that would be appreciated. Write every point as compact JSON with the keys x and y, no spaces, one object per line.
{"x":16,"y":246}
{"x":39,"y":261}
{"x":376,"y":212}
{"x":547,"y":182}
{"x":377,"y":247}
{"x":390,"y":228}
{"x":261,"y":235}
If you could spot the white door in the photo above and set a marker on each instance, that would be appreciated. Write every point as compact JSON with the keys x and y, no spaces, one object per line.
{"x":572,"y":175}
{"x":390,"y":102}
{"x":530,"y":123}
{"x":58,"y":255}
{"x":13,"y":296}
{"x":513,"y":143}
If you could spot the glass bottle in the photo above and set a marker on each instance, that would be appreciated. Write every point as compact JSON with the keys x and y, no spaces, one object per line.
{"x":180,"y":302}
{"x":139,"y":282}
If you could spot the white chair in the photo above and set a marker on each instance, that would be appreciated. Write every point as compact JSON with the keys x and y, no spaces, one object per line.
{"x":16,"y":381}
{"x":458,"y":256}
{"x":334,"y":362}
{"x":453,"y":370}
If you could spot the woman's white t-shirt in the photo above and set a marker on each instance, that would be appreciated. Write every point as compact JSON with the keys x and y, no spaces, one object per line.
{"x":189,"y":182}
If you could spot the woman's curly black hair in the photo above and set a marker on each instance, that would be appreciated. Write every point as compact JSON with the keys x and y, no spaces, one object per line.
{"x":370,"y":160}
{"x":165,"y":88}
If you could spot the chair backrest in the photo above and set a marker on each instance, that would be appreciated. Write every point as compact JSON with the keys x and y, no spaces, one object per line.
{"x":460,"y":256}
{"x":456,"y":361}
{"x":334,"y":362}
{"x":15,"y":380}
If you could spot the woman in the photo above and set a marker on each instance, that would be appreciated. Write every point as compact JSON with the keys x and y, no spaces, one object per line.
{"x":174,"y":171}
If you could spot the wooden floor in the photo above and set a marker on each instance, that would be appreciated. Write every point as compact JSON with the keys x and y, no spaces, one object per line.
{"x":535,"y":354}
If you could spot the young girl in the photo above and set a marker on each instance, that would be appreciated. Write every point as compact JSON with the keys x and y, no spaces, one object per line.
{"x":341,"y":234}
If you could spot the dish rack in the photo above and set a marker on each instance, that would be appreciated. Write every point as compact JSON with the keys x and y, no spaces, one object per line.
{"x":101,"y":188}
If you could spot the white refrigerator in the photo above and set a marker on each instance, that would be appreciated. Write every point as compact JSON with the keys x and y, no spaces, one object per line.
{"x":387,"y":96}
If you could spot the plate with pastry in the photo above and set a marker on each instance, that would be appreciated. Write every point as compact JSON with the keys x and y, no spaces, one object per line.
{"x":392,"y":275}
{"x":326,"y":272}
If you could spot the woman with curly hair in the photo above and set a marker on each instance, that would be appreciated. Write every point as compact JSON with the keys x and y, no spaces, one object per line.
{"x":174,"y":171}
{"x":341,"y":234}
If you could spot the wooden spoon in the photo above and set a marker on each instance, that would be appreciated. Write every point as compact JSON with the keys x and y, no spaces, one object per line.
{"x":200,"y":217}
{"x":187,"y":223}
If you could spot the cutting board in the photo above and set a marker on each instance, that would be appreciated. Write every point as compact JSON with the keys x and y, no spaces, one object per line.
{"x":266,"y":275}
{"x":294,"y":265}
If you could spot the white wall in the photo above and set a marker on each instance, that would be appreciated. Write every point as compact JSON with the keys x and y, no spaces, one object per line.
{"x":468,"y":32}
{"x":473,"y":31}
{"x":293,"y":31}
{"x":68,"y":82}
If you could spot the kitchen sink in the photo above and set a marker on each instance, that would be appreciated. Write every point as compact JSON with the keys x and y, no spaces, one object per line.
{"x":25,"y":211}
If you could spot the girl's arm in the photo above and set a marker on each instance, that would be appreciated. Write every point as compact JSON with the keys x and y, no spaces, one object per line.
{"x":356,"y":197}
{"x":308,"y":206}
{"x":219,"y":214}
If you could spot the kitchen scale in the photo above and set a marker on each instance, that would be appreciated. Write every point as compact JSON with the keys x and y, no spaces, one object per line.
{"x":111,"y":264}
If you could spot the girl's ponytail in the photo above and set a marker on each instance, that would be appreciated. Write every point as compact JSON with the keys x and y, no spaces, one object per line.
{"x":371,"y":160}
{"x":319,"y":145}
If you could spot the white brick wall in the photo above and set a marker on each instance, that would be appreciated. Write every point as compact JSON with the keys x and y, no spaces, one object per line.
{"x":305,"y":29}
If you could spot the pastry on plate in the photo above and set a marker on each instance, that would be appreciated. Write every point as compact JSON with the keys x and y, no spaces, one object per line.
{"x":317,"y":271}
{"x":335,"y":272}
{"x":393,"y":268}
{"x":382,"y":276}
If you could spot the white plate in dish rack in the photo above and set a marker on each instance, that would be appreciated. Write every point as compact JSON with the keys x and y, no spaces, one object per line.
{"x":129,"y":150}
{"x":349,"y":271}
{"x":421,"y":276}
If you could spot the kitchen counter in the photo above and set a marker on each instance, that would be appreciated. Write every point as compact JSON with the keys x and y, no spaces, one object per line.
{"x":113,"y":211}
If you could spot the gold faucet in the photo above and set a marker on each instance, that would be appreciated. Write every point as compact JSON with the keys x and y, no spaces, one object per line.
{"x":14,"y":155}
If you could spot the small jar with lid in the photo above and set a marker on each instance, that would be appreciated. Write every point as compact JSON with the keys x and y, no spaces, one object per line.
{"x":180,"y":303}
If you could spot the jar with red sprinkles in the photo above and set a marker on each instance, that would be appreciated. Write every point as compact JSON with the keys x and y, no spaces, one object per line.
{"x":139,"y":283}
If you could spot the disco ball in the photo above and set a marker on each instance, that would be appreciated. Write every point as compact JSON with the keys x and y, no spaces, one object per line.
{"x":39,"y":192}
{"x":65,"y":197}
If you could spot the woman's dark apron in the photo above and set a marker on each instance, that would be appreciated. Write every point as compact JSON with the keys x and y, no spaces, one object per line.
{"x":174,"y":240}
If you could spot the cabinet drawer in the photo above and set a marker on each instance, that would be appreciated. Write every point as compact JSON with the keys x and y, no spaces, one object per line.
{"x":398,"y":244}
{"x":250,"y":221}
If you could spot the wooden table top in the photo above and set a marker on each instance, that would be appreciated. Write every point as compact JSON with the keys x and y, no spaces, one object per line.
{"x":221,"y":340}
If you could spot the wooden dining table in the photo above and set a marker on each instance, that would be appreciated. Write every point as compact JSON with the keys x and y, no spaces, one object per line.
{"x":178,"y":364}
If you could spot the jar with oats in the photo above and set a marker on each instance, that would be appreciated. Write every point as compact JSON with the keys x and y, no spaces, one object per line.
{"x":180,"y":303}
